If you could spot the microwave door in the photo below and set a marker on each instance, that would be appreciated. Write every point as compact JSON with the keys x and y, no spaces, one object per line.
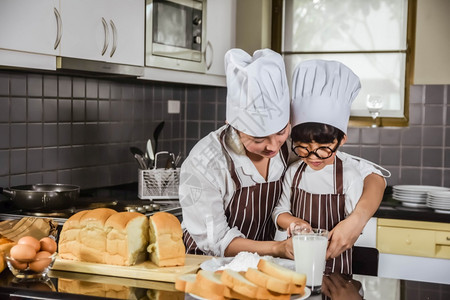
{"x":169,"y":25}
{"x":174,"y":31}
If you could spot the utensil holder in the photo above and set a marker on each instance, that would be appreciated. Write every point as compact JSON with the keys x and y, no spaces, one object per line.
{"x":159,"y":183}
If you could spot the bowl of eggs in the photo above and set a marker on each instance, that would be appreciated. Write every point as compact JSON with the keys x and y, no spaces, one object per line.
{"x":32,"y":258}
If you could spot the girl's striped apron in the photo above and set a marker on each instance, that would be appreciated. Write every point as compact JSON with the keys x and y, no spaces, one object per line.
{"x":250,"y":208}
{"x":323,"y":211}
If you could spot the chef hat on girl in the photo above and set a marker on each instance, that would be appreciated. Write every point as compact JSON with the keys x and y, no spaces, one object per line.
{"x":257,"y":92}
{"x":323,"y":92}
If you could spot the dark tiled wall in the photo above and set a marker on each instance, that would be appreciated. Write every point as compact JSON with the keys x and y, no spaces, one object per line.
{"x":71,"y":129}
{"x":419,"y":153}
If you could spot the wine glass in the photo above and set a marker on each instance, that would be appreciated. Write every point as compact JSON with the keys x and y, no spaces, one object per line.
{"x":374,"y":103}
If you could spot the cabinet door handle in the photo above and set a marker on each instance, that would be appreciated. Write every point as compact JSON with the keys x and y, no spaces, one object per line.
{"x":58,"y":28}
{"x":448,"y":238}
{"x":106,"y":30}
{"x":114,"y":34}
{"x":209,"y":45}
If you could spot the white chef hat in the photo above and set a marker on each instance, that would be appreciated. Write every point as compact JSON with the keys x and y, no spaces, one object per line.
{"x":257,"y":92}
{"x":323,"y":92}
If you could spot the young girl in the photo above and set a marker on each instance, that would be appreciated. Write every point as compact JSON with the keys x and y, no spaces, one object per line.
{"x":324,"y":187}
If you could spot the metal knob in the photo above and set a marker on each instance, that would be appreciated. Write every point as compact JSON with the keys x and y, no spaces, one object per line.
{"x":197,"y":39}
{"x":197,"y":21}
{"x":148,"y":207}
{"x":140,"y":209}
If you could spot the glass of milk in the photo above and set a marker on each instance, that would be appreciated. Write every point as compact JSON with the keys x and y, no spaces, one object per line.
{"x":310,"y":248}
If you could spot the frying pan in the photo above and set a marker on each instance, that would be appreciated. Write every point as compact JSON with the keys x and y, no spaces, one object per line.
{"x":42,"y":196}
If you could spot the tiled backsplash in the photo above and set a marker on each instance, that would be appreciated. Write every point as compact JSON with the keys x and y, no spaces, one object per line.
{"x":417,"y":154}
{"x":70,"y":129}
{"x":67,"y":129}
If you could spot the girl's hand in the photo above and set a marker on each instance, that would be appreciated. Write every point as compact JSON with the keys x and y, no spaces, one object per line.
{"x":299,"y":225}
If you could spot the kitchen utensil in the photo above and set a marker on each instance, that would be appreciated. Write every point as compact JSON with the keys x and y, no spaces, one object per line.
{"x":150,"y":153}
{"x":177,"y":160}
{"x":141,"y":161}
{"x":136,"y":150}
{"x":156,"y":134}
{"x":170,"y":162}
{"x":42,"y":196}
{"x":139,"y":155}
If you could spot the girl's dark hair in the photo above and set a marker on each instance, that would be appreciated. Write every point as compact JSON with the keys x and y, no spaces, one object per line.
{"x":317,"y":132}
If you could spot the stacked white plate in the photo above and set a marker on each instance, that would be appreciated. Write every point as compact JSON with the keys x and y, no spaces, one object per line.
{"x":439,"y":201}
{"x":415,"y":195}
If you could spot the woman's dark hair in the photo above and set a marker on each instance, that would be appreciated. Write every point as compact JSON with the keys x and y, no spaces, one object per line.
{"x":317,"y":132}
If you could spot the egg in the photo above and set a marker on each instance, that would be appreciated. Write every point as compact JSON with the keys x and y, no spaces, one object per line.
{"x":18,"y":265}
{"x":22,"y":252}
{"x":48,"y":244}
{"x":42,"y":260}
{"x":29,"y":240}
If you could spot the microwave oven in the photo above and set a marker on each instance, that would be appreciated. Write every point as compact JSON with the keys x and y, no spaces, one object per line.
{"x":175,"y":34}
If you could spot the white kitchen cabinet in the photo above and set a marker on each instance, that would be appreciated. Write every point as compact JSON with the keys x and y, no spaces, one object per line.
{"x":30,"y":26}
{"x":103,"y":30}
{"x":368,"y":237}
{"x":220,"y":33}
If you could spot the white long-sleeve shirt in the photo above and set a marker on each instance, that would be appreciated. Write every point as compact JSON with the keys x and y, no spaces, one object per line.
{"x":321,"y":182}
{"x":206,"y":188}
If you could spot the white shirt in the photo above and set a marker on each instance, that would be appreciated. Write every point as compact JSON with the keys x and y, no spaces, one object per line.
{"x":321,"y":182}
{"x":206,"y":188}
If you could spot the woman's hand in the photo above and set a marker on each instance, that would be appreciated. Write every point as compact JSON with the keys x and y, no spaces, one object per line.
{"x":283,"y":249}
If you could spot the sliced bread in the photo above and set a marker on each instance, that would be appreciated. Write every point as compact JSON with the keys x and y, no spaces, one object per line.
{"x":281,"y":272}
{"x":267,"y":281}
{"x":208,"y":285}
{"x":237,"y":282}
{"x":182,"y":281}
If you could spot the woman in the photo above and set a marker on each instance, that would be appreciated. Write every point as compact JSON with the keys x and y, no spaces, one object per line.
{"x":232,"y":179}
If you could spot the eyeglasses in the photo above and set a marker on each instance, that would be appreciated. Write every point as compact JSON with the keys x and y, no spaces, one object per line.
{"x":321,"y":152}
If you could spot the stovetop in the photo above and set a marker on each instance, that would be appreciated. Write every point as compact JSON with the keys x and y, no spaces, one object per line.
{"x":120,"y":198}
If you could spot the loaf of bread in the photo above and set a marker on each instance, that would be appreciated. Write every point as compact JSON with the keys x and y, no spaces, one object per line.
{"x":166,"y":240}
{"x":103,"y":235}
{"x":5,"y":245}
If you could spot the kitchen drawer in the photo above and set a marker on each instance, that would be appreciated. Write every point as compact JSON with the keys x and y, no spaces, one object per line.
{"x":443,"y":238}
{"x":415,"y":242}
{"x":405,"y":241}
{"x":442,"y":244}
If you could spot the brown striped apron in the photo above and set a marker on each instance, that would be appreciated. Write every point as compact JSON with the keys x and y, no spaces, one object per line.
{"x":250,"y":208}
{"x":323,"y":211}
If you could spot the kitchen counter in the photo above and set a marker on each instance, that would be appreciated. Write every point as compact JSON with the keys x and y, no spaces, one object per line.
{"x":67,"y":285}
{"x":393,"y":209}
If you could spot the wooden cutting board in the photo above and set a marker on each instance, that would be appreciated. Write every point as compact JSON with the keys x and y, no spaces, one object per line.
{"x":145,"y":270}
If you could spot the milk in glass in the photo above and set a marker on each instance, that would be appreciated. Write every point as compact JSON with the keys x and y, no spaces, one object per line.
{"x":309,"y":254}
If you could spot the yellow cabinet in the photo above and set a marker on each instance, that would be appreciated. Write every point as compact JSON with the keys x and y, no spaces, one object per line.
{"x":428,"y":239}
